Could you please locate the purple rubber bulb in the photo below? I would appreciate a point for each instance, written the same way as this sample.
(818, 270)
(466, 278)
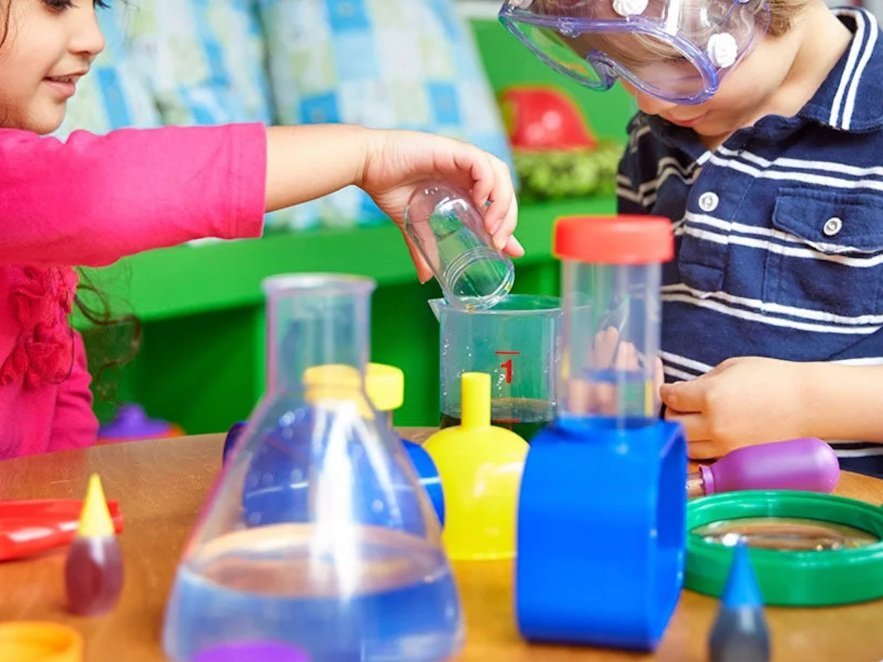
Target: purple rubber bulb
(798, 464)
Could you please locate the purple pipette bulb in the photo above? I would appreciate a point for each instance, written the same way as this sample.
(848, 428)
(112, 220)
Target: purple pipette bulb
(798, 464)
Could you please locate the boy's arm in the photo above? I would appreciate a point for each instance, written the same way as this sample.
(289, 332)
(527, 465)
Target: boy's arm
(844, 401)
(751, 400)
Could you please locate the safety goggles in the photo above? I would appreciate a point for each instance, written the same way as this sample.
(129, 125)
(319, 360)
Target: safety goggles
(676, 50)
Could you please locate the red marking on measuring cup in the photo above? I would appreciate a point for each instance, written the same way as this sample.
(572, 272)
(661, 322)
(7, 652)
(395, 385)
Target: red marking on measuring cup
(507, 365)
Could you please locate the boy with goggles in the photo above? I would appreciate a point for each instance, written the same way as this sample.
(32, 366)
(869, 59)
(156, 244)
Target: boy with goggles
(760, 135)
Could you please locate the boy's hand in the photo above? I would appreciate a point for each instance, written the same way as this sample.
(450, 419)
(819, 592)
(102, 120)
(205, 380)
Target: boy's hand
(608, 352)
(398, 160)
(742, 401)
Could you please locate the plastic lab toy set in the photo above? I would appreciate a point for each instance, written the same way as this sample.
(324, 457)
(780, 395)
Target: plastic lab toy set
(329, 537)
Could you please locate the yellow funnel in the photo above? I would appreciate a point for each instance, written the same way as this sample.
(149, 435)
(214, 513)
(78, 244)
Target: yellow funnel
(480, 467)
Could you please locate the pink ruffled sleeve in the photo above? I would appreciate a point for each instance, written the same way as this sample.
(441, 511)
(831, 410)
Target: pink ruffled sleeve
(94, 199)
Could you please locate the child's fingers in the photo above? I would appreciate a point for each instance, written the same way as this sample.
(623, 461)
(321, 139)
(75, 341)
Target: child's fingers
(702, 450)
(695, 425)
(507, 226)
(499, 219)
(424, 273)
(502, 225)
(483, 175)
(685, 396)
(513, 247)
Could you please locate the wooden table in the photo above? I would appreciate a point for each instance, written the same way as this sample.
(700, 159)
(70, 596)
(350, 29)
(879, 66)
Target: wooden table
(162, 484)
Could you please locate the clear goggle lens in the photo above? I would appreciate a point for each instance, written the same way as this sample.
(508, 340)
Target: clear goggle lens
(597, 60)
(667, 48)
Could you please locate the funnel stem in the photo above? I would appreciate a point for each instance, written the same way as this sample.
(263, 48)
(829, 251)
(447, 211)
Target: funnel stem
(476, 399)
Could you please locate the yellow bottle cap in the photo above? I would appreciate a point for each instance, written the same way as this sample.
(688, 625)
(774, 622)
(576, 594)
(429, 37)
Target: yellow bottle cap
(95, 520)
(385, 385)
(480, 467)
(38, 641)
(335, 382)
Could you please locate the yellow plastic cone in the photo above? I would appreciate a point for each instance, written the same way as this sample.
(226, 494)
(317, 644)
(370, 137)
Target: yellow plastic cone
(480, 467)
(95, 520)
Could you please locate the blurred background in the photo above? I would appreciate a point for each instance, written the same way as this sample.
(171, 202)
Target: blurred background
(445, 66)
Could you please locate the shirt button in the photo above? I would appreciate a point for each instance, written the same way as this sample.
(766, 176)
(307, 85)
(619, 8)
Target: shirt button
(708, 201)
(832, 226)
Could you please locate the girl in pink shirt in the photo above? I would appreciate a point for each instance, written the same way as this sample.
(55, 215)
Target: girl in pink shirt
(94, 199)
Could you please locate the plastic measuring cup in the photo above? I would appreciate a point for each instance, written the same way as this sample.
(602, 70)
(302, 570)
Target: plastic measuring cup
(517, 343)
(449, 232)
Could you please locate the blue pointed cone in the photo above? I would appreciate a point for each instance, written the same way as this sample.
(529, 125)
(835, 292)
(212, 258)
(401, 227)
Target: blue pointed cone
(740, 631)
(742, 590)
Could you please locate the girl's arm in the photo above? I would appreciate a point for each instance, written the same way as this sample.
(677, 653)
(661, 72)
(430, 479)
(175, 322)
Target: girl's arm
(388, 165)
(93, 199)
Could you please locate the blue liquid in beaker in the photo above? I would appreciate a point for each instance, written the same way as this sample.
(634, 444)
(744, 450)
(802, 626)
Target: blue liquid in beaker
(265, 584)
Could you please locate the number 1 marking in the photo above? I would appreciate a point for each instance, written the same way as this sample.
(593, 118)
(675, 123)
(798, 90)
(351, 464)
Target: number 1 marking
(507, 365)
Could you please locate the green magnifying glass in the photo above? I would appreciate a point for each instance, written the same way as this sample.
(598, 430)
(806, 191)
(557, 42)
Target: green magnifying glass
(807, 549)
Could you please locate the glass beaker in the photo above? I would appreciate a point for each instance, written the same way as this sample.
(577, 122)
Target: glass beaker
(610, 371)
(449, 232)
(517, 343)
(343, 557)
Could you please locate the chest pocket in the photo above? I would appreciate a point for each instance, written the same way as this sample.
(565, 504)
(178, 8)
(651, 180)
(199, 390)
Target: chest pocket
(826, 254)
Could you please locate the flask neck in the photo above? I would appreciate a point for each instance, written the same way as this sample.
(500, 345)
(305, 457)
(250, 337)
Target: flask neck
(315, 320)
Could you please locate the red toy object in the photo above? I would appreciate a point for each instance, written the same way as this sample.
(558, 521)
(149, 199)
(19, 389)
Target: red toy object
(544, 118)
(31, 527)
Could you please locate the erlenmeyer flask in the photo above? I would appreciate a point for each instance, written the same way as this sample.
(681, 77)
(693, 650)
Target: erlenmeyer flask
(343, 558)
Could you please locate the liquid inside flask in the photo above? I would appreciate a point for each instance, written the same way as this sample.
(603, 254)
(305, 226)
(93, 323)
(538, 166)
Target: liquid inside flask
(317, 534)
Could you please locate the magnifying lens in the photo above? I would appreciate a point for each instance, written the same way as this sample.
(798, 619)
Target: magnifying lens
(807, 549)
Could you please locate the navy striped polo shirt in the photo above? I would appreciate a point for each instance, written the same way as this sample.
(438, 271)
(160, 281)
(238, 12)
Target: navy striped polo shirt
(779, 231)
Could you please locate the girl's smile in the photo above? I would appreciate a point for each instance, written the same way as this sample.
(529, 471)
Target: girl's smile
(65, 86)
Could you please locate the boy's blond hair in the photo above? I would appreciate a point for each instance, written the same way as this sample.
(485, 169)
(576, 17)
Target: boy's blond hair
(782, 14)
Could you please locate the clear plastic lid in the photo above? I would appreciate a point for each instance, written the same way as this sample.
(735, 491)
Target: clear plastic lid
(449, 232)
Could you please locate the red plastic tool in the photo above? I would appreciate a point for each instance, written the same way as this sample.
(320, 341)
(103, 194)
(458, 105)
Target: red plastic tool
(31, 527)
(541, 118)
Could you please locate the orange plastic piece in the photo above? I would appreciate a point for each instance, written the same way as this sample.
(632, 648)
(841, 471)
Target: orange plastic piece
(38, 641)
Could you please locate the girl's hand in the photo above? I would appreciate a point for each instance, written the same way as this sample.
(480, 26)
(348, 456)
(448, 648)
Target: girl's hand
(398, 160)
(742, 401)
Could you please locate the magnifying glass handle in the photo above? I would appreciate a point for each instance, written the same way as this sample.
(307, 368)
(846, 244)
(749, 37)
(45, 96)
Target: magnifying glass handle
(798, 464)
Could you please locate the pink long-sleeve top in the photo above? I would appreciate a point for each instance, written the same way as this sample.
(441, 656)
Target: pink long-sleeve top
(90, 201)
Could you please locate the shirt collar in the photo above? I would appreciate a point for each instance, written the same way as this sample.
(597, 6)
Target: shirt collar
(851, 97)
